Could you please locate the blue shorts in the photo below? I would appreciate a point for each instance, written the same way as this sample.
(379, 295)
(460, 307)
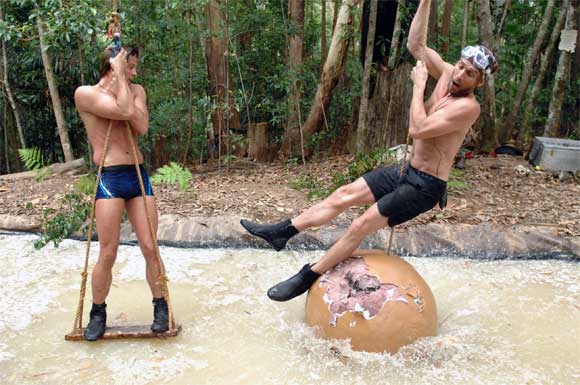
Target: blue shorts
(403, 198)
(121, 181)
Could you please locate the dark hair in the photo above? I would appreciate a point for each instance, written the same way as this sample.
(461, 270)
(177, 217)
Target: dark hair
(105, 66)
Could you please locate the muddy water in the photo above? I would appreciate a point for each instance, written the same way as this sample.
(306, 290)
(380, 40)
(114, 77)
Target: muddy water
(508, 322)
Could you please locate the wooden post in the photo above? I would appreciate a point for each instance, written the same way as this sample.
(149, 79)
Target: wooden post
(259, 147)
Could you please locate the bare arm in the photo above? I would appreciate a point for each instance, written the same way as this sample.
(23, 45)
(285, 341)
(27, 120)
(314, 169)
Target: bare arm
(87, 99)
(139, 121)
(458, 115)
(417, 43)
(117, 107)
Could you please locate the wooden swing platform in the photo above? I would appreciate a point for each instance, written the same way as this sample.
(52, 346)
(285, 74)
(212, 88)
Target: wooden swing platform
(124, 332)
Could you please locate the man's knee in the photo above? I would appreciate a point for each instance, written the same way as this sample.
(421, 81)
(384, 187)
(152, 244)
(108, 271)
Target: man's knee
(343, 196)
(148, 249)
(107, 257)
(359, 228)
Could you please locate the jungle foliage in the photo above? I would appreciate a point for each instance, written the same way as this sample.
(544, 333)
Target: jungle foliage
(166, 31)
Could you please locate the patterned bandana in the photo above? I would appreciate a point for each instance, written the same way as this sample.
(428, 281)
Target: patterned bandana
(480, 57)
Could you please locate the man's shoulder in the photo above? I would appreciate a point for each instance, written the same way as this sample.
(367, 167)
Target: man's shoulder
(84, 92)
(137, 88)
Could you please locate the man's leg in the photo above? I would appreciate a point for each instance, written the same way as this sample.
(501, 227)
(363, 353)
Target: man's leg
(138, 218)
(109, 213)
(366, 224)
(354, 194)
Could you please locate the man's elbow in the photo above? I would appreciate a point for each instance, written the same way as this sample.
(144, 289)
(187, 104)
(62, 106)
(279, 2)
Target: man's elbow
(414, 47)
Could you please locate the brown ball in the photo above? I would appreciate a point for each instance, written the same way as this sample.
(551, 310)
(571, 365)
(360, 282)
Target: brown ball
(376, 300)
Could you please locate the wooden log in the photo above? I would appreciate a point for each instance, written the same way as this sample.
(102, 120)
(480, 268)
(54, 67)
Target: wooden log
(18, 223)
(124, 332)
(75, 167)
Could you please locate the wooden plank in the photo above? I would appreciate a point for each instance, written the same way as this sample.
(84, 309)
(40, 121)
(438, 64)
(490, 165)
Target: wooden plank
(121, 332)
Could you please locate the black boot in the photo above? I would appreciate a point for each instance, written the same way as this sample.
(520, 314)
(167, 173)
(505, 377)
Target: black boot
(294, 286)
(160, 316)
(276, 235)
(97, 324)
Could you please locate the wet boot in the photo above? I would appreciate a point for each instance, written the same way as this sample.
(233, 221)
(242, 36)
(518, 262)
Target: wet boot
(276, 235)
(97, 323)
(294, 286)
(160, 316)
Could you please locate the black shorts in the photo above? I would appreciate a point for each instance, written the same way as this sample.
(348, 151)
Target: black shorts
(401, 199)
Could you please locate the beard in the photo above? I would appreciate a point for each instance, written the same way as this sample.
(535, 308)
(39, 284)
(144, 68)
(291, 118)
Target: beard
(457, 90)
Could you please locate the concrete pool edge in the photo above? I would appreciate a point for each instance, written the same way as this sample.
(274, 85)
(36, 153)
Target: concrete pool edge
(484, 241)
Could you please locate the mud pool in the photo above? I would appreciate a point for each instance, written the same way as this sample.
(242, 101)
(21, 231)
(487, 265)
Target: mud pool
(508, 322)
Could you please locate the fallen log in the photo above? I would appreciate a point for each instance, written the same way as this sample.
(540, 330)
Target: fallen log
(74, 167)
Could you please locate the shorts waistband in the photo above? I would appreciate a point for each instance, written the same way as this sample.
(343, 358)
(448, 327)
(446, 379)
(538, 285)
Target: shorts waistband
(429, 177)
(121, 167)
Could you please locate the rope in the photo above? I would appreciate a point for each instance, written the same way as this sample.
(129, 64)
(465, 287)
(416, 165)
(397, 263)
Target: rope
(162, 277)
(77, 326)
(403, 164)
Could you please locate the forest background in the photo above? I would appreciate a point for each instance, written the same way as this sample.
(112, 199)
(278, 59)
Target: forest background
(279, 79)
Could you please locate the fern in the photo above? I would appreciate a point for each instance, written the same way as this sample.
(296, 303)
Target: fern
(173, 173)
(32, 158)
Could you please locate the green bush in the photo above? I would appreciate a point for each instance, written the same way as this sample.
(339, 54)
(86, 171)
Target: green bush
(173, 173)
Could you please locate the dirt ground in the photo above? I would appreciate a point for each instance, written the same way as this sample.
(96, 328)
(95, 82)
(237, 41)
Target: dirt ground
(501, 190)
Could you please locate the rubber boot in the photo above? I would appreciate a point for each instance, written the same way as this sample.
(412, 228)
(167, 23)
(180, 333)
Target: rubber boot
(294, 286)
(160, 316)
(276, 234)
(97, 323)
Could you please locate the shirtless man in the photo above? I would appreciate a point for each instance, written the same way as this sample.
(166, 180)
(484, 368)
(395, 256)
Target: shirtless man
(437, 127)
(115, 98)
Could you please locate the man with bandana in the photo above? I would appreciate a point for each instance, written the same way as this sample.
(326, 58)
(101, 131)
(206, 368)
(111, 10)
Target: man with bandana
(438, 128)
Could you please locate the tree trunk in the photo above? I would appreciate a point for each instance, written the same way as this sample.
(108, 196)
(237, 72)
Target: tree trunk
(465, 22)
(486, 125)
(190, 95)
(389, 107)
(218, 73)
(562, 76)
(433, 26)
(396, 40)
(336, 8)
(446, 27)
(512, 117)
(506, 8)
(323, 34)
(293, 144)
(5, 124)
(546, 58)
(333, 68)
(54, 94)
(9, 90)
(362, 142)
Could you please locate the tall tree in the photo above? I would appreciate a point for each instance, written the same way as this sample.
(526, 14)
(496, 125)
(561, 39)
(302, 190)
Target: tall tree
(362, 127)
(446, 26)
(465, 22)
(54, 94)
(9, 90)
(530, 64)
(224, 116)
(562, 74)
(544, 63)
(488, 130)
(293, 138)
(323, 33)
(333, 68)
